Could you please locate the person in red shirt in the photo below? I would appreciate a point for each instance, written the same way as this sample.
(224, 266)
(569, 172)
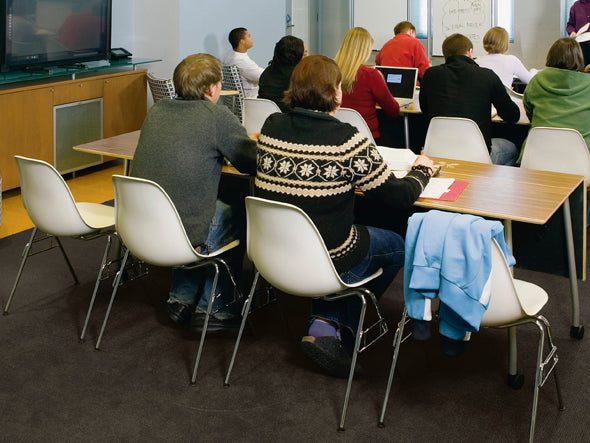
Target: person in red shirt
(404, 50)
(363, 87)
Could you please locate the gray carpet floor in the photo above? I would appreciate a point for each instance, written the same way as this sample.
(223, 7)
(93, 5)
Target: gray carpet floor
(136, 388)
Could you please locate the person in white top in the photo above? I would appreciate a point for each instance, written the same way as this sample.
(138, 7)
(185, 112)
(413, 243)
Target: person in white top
(241, 40)
(506, 66)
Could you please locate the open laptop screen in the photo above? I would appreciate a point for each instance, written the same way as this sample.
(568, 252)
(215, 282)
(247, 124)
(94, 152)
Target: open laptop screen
(400, 81)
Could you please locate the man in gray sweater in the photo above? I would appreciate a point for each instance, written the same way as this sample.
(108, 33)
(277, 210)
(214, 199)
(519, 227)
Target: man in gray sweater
(182, 147)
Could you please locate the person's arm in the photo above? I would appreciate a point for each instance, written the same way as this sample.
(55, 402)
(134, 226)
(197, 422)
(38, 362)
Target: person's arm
(507, 109)
(571, 23)
(382, 95)
(528, 106)
(234, 143)
(372, 176)
(520, 71)
(250, 70)
(378, 57)
(423, 96)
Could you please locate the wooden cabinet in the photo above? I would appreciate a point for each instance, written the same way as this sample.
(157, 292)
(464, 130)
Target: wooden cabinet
(26, 126)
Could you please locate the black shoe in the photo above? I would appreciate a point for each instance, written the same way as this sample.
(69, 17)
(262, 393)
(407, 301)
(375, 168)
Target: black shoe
(329, 354)
(215, 324)
(179, 313)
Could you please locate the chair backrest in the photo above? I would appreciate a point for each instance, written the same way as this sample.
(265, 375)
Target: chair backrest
(557, 150)
(48, 200)
(287, 249)
(510, 302)
(160, 87)
(256, 110)
(513, 94)
(147, 222)
(231, 81)
(456, 138)
(348, 115)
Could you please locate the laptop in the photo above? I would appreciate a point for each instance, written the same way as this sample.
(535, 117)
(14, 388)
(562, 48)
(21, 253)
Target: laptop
(401, 82)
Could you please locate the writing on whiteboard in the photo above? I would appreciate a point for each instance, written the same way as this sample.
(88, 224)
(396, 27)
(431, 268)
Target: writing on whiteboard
(465, 17)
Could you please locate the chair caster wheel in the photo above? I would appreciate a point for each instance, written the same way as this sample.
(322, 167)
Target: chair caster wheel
(340, 429)
(380, 424)
(515, 381)
(577, 332)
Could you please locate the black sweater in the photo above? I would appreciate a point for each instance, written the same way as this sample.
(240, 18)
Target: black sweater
(314, 161)
(461, 88)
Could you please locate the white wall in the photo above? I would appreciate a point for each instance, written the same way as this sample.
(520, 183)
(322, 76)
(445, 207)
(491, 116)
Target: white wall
(172, 29)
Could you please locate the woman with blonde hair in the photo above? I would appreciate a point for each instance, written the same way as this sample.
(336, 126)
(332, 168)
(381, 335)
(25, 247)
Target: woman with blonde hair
(363, 87)
(506, 66)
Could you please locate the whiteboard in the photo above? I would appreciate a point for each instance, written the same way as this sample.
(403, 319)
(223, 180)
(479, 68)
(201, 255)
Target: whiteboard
(472, 18)
(379, 18)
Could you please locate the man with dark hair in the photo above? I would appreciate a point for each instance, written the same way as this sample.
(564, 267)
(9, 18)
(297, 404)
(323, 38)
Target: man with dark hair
(404, 50)
(240, 41)
(182, 146)
(461, 88)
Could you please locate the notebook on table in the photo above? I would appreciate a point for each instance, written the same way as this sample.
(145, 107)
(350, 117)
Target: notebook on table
(401, 82)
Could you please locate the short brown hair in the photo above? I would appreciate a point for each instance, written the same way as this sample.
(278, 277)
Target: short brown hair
(193, 76)
(314, 83)
(456, 44)
(566, 53)
(403, 27)
(495, 41)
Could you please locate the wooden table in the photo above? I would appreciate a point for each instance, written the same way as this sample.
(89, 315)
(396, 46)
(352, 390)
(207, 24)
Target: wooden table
(503, 192)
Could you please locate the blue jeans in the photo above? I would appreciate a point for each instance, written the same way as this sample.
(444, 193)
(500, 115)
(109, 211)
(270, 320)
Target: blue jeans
(193, 286)
(386, 251)
(503, 152)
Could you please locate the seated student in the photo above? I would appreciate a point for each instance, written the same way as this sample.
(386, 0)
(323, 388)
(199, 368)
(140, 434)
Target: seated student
(274, 81)
(333, 159)
(461, 88)
(363, 87)
(506, 66)
(182, 146)
(241, 40)
(404, 50)
(559, 95)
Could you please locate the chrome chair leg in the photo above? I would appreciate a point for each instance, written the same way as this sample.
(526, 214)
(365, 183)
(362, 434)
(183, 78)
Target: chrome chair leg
(25, 254)
(538, 379)
(63, 252)
(397, 341)
(103, 265)
(554, 368)
(245, 313)
(357, 345)
(116, 286)
(204, 332)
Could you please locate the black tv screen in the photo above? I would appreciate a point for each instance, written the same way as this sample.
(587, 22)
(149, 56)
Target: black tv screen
(54, 32)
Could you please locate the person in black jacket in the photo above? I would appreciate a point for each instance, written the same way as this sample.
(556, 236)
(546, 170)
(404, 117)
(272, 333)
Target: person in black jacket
(461, 88)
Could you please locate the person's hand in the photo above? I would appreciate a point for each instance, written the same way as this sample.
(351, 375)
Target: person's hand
(254, 136)
(425, 161)
(573, 34)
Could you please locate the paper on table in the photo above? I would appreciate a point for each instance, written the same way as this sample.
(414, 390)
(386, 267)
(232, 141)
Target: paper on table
(436, 187)
(396, 158)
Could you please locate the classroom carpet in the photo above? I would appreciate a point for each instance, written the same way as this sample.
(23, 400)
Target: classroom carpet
(137, 387)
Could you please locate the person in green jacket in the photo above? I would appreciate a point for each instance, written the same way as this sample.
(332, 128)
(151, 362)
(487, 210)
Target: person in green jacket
(559, 95)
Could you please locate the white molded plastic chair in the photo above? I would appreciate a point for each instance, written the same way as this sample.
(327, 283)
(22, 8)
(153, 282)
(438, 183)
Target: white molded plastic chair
(353, 117)
(161, 87)
(256, 110)
(557, 150)
(51, 207)
(513, 94)
(151, 229)
(513, 303)
(289, 253)
(231, 81)
(456, 138)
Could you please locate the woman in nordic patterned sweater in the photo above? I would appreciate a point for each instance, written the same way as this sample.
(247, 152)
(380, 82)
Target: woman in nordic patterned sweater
(308, 158)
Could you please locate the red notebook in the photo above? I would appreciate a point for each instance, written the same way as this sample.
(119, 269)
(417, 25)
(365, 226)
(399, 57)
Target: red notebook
(453, 193)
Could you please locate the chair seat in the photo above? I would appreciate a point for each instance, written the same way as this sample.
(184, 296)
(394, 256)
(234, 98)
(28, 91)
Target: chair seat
(96, 215)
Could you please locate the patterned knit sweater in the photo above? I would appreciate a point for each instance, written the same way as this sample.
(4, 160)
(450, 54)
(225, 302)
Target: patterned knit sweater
(314, 161)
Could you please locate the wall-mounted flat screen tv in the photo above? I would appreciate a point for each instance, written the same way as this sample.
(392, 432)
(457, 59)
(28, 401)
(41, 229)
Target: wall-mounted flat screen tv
(38, 33)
